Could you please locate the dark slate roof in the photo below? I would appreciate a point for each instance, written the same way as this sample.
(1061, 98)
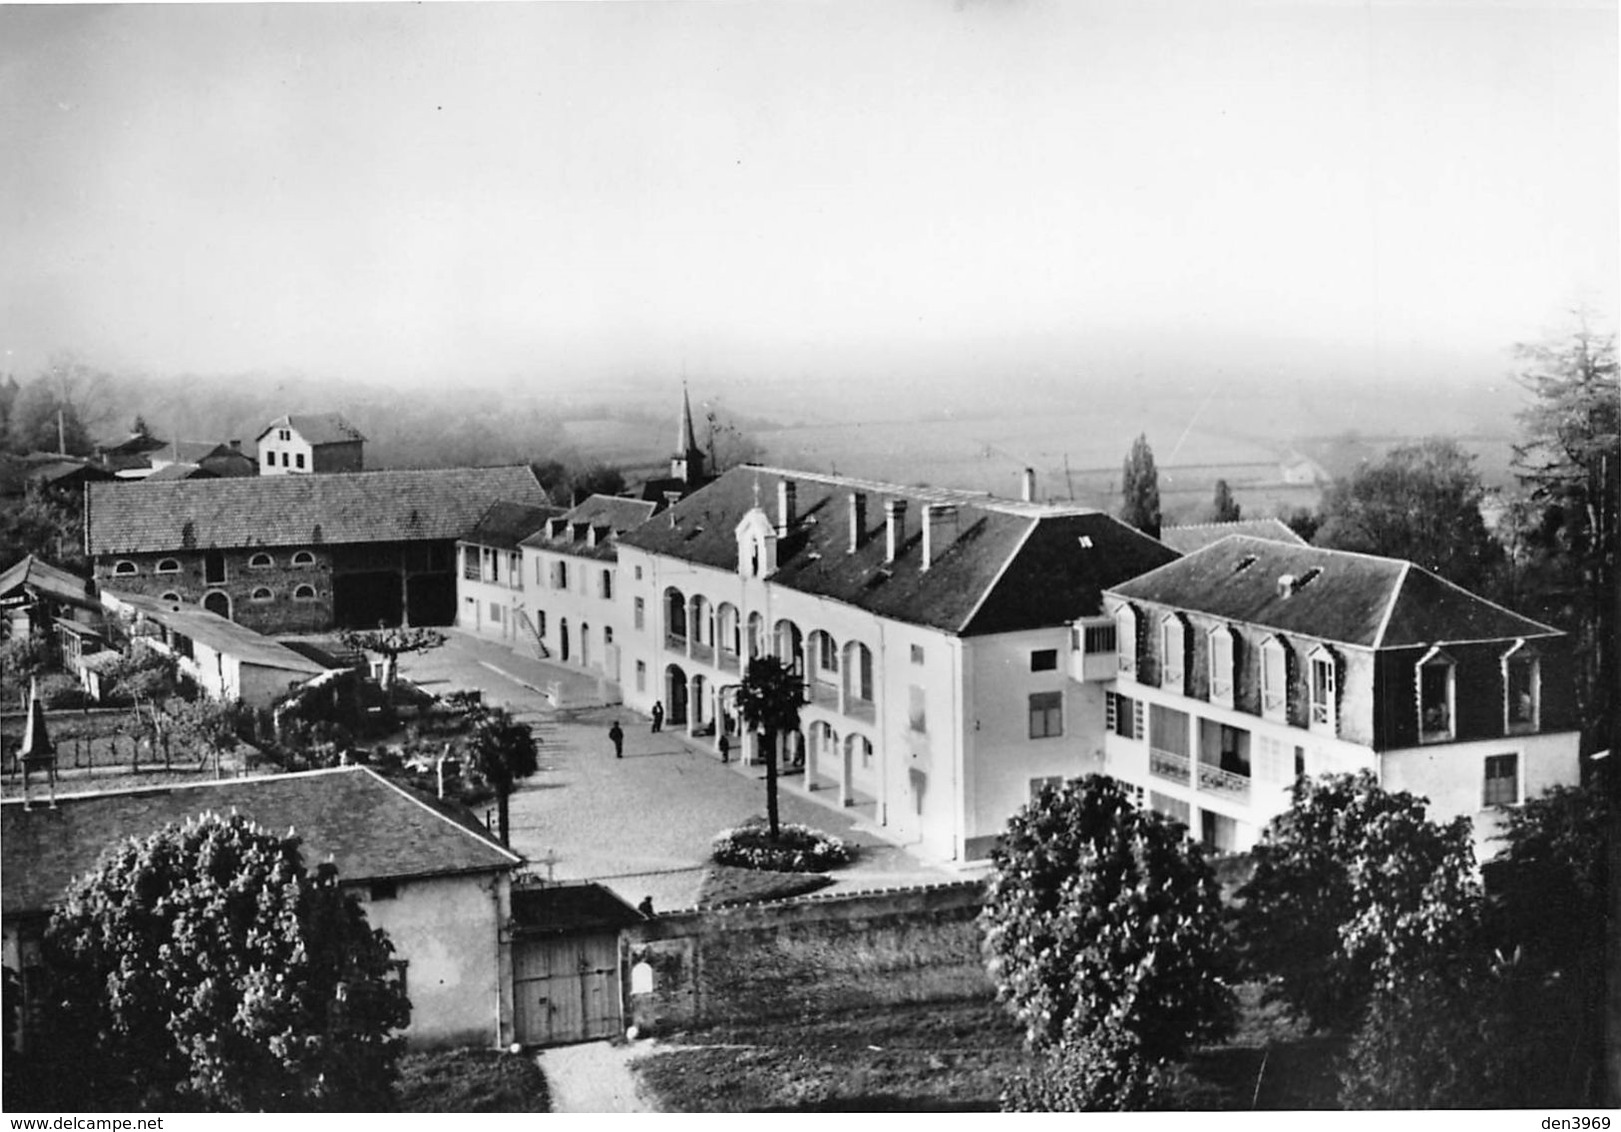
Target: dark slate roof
(37, 577)
(1011, 566)
(1357, 599)
(609, 515)
(505, 524)
(436, 503)
(316, 428)
(1191, 536)
(556, 909)
(370, 828)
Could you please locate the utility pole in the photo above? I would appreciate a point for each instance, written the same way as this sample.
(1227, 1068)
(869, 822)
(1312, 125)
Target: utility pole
(61, 435)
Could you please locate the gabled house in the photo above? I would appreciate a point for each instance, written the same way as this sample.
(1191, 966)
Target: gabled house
(426, 872)
(490, 591)
(570, 572)
(305, 443)
(929, 626)
(1250, 662)
(299, 553)
(35, 596)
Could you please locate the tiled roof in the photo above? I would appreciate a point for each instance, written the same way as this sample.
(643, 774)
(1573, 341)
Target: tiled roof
(505, 524)
(316, 428)
(1355, 599)
(52, 581)
(1010, 566)
(610, 515)
(437, 503)
(554, 909)
(1189, 537)
(220, 634)
(370, 828)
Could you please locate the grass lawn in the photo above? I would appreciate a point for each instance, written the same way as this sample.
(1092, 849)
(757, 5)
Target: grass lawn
(471, 1080)
(957, 1057)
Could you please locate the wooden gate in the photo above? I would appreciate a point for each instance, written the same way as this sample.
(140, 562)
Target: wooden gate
(566, 988)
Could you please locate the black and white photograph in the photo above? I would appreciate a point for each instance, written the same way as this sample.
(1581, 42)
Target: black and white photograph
(764, 556)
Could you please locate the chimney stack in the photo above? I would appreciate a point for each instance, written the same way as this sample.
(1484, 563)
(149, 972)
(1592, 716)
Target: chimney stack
(939, 530)
(858, 519)
(1028, 489)
(236, 446)
(894, 526)
(785, 507)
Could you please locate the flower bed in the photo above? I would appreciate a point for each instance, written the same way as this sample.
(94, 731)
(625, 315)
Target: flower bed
(796, 848)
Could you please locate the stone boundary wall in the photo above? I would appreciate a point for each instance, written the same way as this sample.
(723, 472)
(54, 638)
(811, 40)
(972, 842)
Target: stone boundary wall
(800, 958)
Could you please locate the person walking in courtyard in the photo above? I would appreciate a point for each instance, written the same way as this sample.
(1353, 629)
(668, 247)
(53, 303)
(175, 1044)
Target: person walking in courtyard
(658, 716)
(725, 749)
(616, 735)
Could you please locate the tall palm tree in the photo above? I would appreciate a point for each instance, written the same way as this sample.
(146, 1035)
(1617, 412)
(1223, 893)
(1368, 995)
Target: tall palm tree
(770, 698)
(501, 750)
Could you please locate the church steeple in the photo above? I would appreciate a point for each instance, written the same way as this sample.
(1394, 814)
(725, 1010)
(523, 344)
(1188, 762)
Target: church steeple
(687, 464)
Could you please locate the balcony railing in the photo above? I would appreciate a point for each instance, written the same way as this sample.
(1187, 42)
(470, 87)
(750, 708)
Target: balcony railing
(824, 695)
(864, 710)
(1218, 781)
(701, 652)
(728, 660)
(1165, 764)
(675, 642)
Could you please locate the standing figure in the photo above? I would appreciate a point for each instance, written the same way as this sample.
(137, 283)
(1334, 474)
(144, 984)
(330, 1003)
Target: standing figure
(616, 735)
(658, 716)
(725, 749)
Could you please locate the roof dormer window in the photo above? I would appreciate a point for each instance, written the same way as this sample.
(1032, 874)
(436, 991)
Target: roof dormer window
(1522, 691)
(1324, 689)
(1173, 658)
(1275, 679)
(1436, 697)
(1125, 620)
(1222, 651)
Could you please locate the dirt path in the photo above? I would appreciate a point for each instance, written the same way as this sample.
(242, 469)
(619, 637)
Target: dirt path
(594, 1077)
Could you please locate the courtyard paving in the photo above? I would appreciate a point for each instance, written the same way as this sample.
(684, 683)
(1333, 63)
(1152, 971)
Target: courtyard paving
(641, 824)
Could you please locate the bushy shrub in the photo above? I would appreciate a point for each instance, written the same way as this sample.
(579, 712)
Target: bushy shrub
(1104, 1072)
(795, 849)
(60, 691)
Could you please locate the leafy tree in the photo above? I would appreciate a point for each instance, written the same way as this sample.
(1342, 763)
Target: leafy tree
(1140, 486)
(57, 410)
(49, 525)
(138, 427)
(207, 969)
(1103, 932)
(595, 479)
(500, 750)
(1421, 503)
(205, 726)
(729, 445)
(391, 644)
(1570, 467)
(1353, 887)
(1303, 521)
(1224, 508)
(769, 699)
(1548, 901)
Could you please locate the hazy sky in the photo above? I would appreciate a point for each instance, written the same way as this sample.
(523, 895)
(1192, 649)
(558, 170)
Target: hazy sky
(482, 190)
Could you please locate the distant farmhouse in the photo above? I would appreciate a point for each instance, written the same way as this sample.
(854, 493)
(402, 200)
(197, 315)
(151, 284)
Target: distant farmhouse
(1252, 661)
(299, 553)
(309, 443)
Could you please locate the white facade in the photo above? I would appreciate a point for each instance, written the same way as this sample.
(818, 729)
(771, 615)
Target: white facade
(936, 735)
(490, 594)
(575, 608)
(283, 452)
